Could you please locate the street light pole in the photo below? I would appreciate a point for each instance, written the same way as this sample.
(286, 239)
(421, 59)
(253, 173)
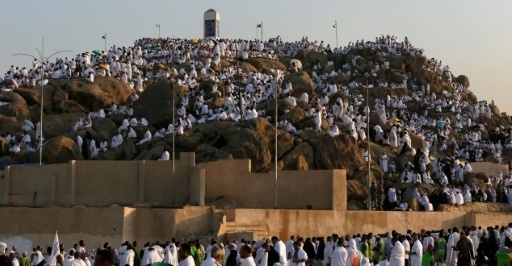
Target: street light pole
(238, 81)
(42, 60)
(368, 140)
(261, 31)
(173, 146)
(158, 26)
(336, 27)
(275, 144)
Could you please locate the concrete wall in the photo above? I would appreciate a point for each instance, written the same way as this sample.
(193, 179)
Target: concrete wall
(296, 189)
(27, 227)
(98, 183)
(125, 183)
(284, 223)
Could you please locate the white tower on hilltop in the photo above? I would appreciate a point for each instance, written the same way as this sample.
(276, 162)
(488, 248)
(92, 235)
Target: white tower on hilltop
(211, 24)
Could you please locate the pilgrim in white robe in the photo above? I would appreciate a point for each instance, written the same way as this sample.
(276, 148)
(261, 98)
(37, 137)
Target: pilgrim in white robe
(397, 257)
(417, 248)
(339, 257)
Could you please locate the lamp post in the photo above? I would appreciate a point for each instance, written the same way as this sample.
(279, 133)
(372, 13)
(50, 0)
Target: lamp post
(336, 27)
(238, 81)
(42, 59)
(260, 26)
(158, 26)
(368, 140)
(173, 146)
(278, 83)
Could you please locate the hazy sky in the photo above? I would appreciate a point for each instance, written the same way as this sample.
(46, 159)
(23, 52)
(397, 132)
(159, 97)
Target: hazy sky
(472, 37)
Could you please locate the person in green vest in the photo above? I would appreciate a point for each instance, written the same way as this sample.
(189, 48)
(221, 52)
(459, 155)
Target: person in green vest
(365, 249)
(193, 248)
(371, 246)
(441, 247)
(136, 258)
(25, 261)
(378, 251)
(199, 254)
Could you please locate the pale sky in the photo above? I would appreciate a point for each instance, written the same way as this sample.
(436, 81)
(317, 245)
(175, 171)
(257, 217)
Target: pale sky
(470, 36)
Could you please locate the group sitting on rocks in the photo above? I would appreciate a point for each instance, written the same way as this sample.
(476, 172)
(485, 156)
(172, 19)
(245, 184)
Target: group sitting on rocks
(426, 103)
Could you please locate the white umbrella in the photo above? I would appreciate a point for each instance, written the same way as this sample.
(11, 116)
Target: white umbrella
(29, 123)
(296, 62)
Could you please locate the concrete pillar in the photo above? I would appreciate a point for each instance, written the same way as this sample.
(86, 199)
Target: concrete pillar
(339, 190)
(72, 182)
(202, 189)
(142, 181)
(192, 159)
(7, 185)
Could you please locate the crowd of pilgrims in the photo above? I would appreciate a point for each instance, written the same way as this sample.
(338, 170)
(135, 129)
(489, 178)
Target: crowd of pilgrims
(192, 62)
(468, 246)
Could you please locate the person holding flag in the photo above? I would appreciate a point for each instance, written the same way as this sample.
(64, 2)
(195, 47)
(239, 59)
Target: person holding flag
(52, 259)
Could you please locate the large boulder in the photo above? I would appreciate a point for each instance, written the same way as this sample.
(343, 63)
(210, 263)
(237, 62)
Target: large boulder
(463, 80)
(246, 67)
(357, 191)
(295, 115)
(105, 128)
(56, 125)
(61, 150)
(17, 106)
(214, 128)
(187, 143)
(244, 143)
(259, 125)
(301, 82)
(340, 152)
(300, 158)
(10, 124)
(282, 105)
(155, 152)
(31, 96)
(98, 94)
(265, 65)
(495, 110)
(309, 58)
(155, 104)
(403, 160)
(285, 142)
(125, 151)
(68, 107)
(354, 205)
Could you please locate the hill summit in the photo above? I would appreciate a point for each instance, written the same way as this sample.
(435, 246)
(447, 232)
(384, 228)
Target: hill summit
(119, 105)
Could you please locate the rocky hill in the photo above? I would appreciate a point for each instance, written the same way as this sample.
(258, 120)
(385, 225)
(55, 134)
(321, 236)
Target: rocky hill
(66, 100)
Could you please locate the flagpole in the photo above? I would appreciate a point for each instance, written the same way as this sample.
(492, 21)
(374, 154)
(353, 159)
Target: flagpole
(261, 31)
(105, 37)
(336, 27)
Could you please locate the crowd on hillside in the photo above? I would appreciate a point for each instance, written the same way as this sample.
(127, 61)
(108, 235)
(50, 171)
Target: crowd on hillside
(190, 63)
(468, 246)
